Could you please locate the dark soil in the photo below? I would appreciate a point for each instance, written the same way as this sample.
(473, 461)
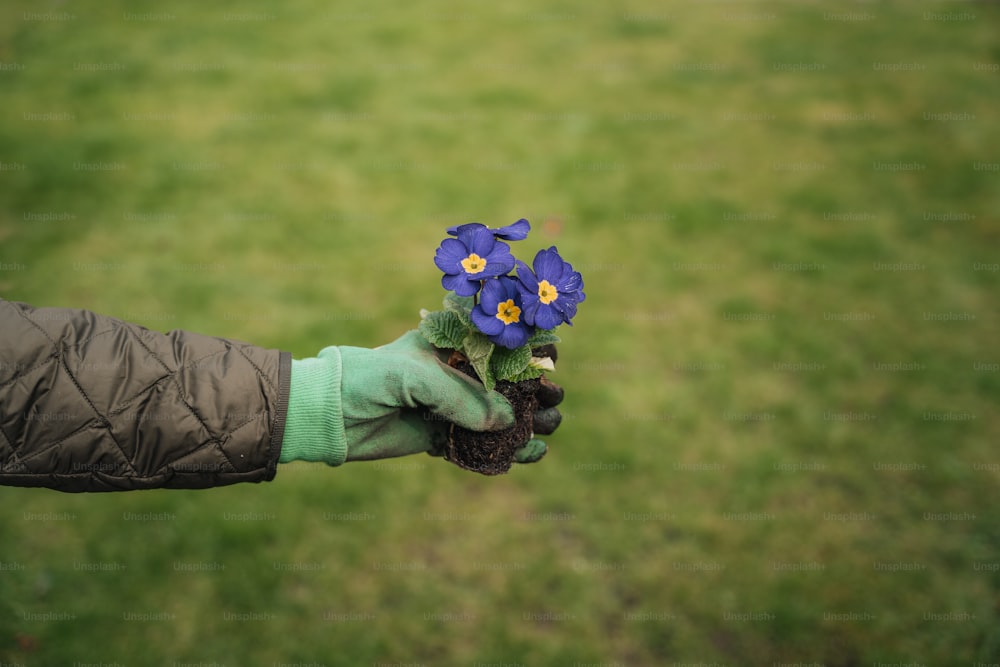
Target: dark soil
(492, 452)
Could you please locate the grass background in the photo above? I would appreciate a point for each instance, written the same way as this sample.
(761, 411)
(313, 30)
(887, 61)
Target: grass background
(780, 431)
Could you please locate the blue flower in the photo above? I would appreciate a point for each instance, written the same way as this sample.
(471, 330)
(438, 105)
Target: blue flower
(515, 232)
(499, 313)
(551, 292)
(471, 258)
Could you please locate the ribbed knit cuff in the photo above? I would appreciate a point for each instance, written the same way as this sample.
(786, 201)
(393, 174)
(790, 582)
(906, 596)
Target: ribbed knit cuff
(314, 428)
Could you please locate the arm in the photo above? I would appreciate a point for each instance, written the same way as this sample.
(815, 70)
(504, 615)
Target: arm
(93, 403)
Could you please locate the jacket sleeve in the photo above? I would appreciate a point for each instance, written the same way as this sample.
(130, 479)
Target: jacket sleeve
(93, 403)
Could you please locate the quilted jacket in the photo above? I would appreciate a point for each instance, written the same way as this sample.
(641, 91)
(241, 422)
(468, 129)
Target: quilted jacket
(92, 403)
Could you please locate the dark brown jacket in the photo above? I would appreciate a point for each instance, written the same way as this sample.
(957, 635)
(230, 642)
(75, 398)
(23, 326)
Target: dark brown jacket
(92, 403)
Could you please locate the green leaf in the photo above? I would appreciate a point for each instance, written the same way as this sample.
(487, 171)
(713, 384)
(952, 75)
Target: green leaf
(443, 328)
(461, 306)
(479, 349)
(506, 363)
(527, 374)
(542, 337)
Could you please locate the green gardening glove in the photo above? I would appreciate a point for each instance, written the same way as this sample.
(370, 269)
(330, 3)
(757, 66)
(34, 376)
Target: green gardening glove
(356, 404)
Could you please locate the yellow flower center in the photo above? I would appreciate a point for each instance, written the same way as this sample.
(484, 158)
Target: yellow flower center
(546, 292)
(473, 263)
(508, 313)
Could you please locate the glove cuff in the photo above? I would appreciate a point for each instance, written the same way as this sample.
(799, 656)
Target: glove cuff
(314, 429)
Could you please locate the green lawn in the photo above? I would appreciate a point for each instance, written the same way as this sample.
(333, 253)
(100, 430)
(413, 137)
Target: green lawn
(780, 431)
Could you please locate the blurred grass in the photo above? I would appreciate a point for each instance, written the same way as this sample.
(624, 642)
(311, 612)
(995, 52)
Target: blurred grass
(743, 474)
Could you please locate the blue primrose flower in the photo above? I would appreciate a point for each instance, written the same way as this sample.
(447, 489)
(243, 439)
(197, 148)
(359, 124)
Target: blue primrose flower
(471, 258)
(515, 232)
(551, 292)
(499, 313)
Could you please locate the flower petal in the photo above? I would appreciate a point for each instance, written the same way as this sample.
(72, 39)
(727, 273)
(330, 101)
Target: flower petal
(477, 238)
(547, 317)
(449, 255)
(548, 265)
(544, 363)
(493, 293)
(452, 281)
(513, 288)
(566, 308)
(455, 230)
(500, 261)
(528, 311)
(488, 324)
(571, 281)
(512, 336)
(527, 278)
(515, 232)
(460, 285)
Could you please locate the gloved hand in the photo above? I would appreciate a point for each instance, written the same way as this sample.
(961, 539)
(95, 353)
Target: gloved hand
(354, 404)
